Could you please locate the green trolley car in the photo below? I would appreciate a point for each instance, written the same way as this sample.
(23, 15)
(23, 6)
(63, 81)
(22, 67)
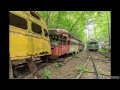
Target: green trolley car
(93, 46)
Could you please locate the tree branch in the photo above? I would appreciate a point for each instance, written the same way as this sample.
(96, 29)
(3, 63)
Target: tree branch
(77, 21)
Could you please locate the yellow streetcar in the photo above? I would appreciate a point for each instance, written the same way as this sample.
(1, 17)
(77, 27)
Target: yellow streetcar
(28, 36)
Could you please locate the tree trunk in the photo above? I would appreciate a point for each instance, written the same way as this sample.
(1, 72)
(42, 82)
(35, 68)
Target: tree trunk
(87, 37)
(108, 31)
(48, 15)
(96, 35)
(58, 19)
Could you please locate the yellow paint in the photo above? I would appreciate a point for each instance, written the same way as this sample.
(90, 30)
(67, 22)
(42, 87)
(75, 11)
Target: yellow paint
(23, 43)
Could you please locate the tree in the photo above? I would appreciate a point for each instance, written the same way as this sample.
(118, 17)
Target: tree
(47, 19)
(76, 21)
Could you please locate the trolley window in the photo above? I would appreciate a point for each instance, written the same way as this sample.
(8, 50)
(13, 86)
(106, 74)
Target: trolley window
(60, 39)
(54, 39)
(92, 42)
(17, 21)
(36, 28)
(46, 33)
(64, 40)
(34, 15)
(68, 43)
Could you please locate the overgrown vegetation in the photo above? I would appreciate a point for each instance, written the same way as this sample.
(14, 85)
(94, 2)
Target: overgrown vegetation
(77, 55)
(79, 68)
(57, 65)
(81, 23)
(47, 74)
(104, 51)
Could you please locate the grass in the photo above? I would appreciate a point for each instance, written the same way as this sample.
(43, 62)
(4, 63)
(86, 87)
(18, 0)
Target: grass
(105, 73)
(77, 56)
(47, 74)
(57, 65)
(103, 51)
(79, 68)
(83, 70)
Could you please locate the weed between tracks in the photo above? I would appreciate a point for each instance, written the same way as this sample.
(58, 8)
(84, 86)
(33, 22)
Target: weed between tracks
(47, 74)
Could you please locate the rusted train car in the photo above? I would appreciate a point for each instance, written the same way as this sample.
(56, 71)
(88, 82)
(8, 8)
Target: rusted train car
(80, 46)
(62, 42)
(59, 42)
(28, 37)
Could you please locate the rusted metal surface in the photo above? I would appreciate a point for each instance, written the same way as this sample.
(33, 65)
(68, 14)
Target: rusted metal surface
(10, 70)
(31, 65)
(59, 39)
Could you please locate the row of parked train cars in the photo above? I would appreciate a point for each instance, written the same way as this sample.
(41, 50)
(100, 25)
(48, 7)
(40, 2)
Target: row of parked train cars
(95, 45)
(29, 38)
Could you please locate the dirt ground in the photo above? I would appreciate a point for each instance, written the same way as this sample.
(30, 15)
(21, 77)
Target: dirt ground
(69, 68)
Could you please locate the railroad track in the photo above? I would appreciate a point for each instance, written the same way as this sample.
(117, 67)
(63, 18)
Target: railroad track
(62, 62)
(42, 65)
(106, 55)
(93, 60)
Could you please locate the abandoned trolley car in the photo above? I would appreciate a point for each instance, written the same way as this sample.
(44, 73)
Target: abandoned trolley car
(28, 36)
(93, 45)
(62, 42)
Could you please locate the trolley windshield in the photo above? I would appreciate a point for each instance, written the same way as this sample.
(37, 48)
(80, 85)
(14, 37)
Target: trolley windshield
(54, 39)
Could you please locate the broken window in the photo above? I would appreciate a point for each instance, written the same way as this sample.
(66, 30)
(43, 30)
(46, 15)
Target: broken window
(60, 39)
(36, 28)
(17, 21)
(34, 15)
(54, 39)
(64, 40)
(68, 43)
(93, 43)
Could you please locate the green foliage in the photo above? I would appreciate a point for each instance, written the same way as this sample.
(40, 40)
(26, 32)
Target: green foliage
(77, 55)
(57, 65)
(79, 68)
(87, 71)
(47, 74)
(103, 51)
(66, 19)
